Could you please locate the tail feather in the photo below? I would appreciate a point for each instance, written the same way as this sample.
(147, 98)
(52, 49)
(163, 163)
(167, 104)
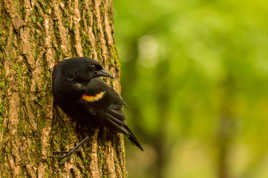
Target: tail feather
(118, 114)
(133, 139)
(122, 127)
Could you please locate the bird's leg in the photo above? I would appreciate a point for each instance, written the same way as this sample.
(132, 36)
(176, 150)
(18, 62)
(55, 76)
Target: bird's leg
(74, 149)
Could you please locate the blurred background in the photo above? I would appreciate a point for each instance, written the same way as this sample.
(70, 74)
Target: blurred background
(194, 74)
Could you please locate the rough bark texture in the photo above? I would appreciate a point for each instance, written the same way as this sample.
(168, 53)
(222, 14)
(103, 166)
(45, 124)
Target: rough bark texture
(33, 36)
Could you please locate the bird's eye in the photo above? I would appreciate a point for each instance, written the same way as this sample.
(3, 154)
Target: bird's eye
(97, 66)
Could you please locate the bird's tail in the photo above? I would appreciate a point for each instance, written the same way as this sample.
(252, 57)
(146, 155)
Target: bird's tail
(133, 138)
(120, 126)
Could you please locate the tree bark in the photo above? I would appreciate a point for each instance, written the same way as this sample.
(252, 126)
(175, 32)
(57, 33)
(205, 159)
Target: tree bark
(34, 35)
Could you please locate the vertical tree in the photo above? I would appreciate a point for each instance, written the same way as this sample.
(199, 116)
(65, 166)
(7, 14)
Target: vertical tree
(225, 130)
(34, 35)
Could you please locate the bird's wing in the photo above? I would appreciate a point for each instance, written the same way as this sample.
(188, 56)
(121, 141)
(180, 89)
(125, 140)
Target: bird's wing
(103, 98)
(121, 126)
(102, 101)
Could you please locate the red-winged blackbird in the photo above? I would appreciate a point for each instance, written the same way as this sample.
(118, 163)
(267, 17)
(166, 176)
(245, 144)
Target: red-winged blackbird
(86, 98)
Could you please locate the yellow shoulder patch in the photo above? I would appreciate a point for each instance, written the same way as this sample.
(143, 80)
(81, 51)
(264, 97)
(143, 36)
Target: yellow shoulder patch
(93, 98)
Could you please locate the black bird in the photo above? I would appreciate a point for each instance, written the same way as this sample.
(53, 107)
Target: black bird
(88, 99)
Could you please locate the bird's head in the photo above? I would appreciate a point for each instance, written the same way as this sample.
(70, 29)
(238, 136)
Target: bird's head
(82, 69)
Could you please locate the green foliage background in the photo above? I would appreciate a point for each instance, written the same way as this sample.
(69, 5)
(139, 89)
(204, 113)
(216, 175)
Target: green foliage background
(194, 74)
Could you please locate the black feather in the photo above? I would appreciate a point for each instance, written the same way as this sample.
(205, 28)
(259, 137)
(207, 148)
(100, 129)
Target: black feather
(120, 126)
(111, 106)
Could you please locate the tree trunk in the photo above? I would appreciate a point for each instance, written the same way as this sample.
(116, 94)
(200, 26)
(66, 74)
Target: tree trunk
(34, 35)
(226, 127)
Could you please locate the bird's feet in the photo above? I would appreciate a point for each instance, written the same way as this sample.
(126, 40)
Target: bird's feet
(67, 154)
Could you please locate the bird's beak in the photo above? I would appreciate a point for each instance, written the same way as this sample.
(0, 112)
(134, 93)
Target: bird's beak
(103, 73)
